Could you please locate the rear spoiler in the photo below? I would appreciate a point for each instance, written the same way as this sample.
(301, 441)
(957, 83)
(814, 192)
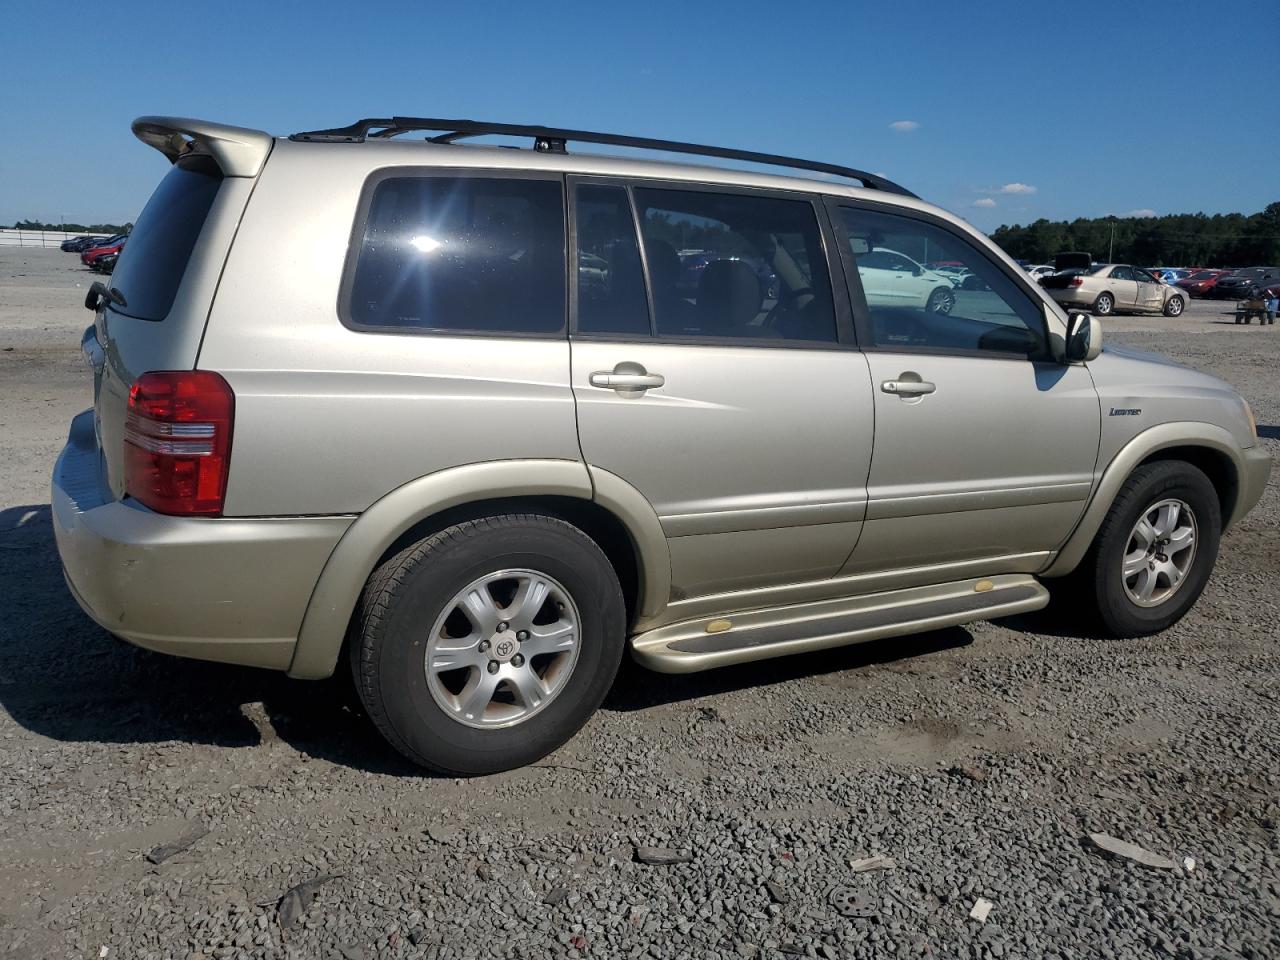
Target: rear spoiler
(238, 151)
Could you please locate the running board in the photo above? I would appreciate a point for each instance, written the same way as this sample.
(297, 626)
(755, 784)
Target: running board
(777, 631)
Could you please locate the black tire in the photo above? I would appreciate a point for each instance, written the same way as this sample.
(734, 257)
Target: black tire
(1100, 572)
(408, 592)
(1174, 306)
(1104, 306)
(941, 300)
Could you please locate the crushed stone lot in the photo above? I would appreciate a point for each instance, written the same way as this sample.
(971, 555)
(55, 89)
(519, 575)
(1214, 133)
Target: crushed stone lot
(1005, 789)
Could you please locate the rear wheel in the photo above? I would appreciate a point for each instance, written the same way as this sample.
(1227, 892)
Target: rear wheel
(1104, 305)
(1155, 550)
(1174, 306)
(489, 644)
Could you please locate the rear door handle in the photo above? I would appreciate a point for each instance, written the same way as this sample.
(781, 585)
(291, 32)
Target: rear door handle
(908, 388)
(626, 381)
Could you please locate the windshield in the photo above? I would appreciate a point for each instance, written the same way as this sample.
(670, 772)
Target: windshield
(155, 258)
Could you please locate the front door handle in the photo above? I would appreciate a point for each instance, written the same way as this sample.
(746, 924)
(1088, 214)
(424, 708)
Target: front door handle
(906, 387)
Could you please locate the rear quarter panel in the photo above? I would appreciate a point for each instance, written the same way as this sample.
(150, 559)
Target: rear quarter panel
(328, 419)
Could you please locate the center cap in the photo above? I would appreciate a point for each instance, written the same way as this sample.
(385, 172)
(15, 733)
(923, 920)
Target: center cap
(504, 646)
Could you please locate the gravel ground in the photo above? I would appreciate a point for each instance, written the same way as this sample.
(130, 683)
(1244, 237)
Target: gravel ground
(978, 759)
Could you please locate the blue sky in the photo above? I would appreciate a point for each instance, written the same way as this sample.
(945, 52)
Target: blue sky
(1003, 112)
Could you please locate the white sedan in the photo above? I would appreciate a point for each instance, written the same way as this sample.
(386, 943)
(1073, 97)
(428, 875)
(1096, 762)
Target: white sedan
(892, 279)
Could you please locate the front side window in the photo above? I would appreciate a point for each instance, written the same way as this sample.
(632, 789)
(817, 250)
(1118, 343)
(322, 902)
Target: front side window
(927, 288)
(735, 266)
(465, 254)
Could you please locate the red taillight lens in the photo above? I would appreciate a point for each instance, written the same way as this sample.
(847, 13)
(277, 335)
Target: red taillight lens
(177, 441)
(1077, 281)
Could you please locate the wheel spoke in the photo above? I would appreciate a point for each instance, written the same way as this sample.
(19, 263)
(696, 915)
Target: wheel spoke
(1180, 540)
(1146, 584)
(530, 597)
(454, 658)
(477, 694)
(1167, 519)
(528, 686)
(552, 638)
(1171, 573)
(1144, 534)
(481, 610)
(1134, 563)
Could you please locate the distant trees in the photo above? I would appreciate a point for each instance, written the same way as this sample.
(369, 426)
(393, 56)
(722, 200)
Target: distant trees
(74, 227)
(1180, 239)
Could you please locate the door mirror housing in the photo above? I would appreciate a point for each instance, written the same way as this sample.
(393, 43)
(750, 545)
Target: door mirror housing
(1084, 337)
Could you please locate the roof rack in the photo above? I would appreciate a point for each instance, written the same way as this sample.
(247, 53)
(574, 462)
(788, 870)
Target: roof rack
(553, 140)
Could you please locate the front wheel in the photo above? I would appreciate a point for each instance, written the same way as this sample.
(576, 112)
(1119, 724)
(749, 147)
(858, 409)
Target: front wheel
(489, 644)
(941, 300)
(1104, 305)
(1173, 307)
(1155, 550)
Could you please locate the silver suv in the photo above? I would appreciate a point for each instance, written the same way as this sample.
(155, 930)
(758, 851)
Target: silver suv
(478, 420)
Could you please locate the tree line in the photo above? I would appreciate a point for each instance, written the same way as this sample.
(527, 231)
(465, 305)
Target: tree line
(1175, 240)
(35, 225)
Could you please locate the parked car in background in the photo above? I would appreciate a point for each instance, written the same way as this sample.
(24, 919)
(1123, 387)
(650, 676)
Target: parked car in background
(1246, 283)
(1106, 288)
(83, 242)
(1199, 283)
(1168, 274)
(892, 277)
(105, 263)
(1041, 270)
(112, 245)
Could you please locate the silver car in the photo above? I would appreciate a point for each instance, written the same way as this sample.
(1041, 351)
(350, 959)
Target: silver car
(351, 404)
(1106, 288)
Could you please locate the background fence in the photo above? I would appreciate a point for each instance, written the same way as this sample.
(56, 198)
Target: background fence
(34, 238)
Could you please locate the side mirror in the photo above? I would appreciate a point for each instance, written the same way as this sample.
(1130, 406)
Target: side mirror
(1084, 337)
(917, 270)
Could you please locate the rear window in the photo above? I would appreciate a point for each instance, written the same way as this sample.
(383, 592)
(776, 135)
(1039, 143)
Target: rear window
(156, 253)
(461, 254)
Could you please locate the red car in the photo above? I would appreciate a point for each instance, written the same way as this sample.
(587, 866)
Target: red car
(114, 245)
(1201, 282)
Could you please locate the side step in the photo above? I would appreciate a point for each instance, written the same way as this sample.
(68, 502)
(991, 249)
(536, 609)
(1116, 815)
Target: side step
(777, 631)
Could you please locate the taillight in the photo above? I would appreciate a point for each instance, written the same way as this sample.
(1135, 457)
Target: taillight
(1077, 281)
(177, 441)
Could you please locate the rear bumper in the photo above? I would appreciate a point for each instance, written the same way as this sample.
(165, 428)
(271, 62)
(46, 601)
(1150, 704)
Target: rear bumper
(225, 589)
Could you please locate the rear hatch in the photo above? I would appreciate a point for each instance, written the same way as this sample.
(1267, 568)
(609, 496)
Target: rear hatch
(152, 314)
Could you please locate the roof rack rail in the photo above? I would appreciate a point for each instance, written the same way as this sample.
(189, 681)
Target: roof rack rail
(553, 140)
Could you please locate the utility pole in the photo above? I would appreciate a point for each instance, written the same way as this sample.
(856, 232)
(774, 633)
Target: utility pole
(1111, 251)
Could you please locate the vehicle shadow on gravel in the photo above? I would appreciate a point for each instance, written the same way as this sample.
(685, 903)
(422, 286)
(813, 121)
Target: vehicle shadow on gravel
(64, 677)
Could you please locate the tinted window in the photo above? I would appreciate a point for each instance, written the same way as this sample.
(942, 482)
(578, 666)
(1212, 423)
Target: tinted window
(611, 295)
(1121, 273)
(155, 257)
(462, 254)
(723, 265)
(970, 305)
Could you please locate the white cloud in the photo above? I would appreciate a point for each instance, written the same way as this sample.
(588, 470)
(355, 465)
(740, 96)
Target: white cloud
(984, 202)
(1143, 212)
(1017, 188)
(904, 126)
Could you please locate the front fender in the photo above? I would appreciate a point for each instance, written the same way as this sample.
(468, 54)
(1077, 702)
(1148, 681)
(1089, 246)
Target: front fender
(1160, 437)
(338, 589)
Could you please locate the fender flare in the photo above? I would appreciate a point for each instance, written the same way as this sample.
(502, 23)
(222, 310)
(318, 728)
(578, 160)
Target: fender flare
(324, 625)
(1160, 437)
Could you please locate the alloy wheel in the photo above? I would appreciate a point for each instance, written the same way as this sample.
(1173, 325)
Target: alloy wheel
(503, 648)
(1159, 553)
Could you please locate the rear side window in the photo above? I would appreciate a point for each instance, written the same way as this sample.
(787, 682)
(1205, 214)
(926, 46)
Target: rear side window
(611, 295)
(735, 265)
(461, 254)
(156, 253)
